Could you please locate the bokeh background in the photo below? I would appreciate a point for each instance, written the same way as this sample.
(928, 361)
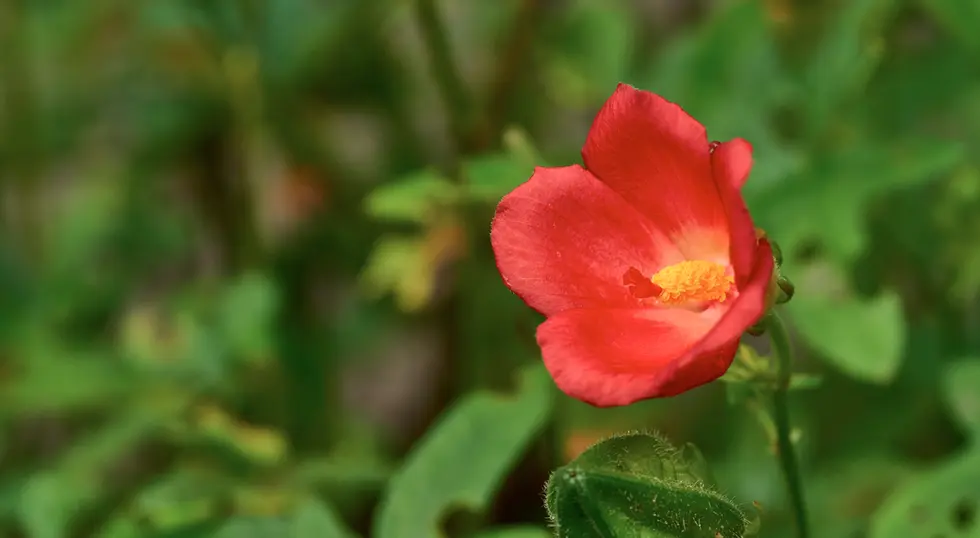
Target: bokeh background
(246, 286)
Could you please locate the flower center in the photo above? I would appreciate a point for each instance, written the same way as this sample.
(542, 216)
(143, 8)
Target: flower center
(692, 280)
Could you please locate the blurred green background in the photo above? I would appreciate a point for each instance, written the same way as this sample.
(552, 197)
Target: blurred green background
(246, 287)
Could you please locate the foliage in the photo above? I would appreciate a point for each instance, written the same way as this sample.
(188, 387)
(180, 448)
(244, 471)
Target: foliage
(246, 287)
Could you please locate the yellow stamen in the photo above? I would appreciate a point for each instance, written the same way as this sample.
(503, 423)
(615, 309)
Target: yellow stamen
(693, 280)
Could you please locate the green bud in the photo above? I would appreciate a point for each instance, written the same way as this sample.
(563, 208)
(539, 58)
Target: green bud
(777, 253)
(786, 288)
(637, 485)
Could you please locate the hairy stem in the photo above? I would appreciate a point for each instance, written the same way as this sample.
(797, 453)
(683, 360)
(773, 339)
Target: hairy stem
(784, 443)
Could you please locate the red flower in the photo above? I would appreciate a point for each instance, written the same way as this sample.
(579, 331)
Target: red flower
(645, 263)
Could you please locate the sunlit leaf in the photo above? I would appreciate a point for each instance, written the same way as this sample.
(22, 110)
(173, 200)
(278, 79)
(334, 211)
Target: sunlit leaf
(941, 502)
(962, 389)
(408, 267)
(462, 460)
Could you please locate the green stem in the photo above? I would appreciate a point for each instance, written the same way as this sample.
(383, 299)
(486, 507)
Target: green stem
(784, 443)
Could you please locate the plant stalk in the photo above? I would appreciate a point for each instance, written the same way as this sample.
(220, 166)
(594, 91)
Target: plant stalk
(786, 453)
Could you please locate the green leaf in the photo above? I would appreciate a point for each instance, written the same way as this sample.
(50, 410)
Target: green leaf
(52, 498)
(593, 54)
(463, 459)
(638, 485)
(254, 527)
(847, 491)
(490, 177)
(407, 266)
(247, 311)
(313, 519)
(827, 204)
(941, 502)
(416, 198)
(862, 338)
(960, 17)
(961, 384)
(845, 59)
(181, 498)
(515, 532)
(728, 75)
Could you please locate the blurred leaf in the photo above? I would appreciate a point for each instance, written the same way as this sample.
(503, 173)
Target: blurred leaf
(247, 312)
(595, 42)
(52, 498)
(728, 75)
(46, 507)
(346, 470)
(255, 527)
(910, 90)
(54, 377)
(961, 384)
(298, 33)
(488, 178)
(960, 17)
(844, 60)
(462, 460)
(862, 338)
(804, 381)
(515, 532)
(847, 492)
(312, 519)
(398, 265)
(416, 198)
(941, 502)
(258, 445)
(600, 494)
(828, 203)
(185, 497)
(407, 267)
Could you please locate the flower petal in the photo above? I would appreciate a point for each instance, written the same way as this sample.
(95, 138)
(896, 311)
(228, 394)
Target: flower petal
(657, 157)
(714, 353)
(563, 240)
(611, 357)
(731, 163)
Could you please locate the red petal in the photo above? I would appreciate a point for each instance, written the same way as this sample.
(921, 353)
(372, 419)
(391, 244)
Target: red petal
(731, 163)
(656, 156)
(563, 240)
(612, 357)
(713, 355)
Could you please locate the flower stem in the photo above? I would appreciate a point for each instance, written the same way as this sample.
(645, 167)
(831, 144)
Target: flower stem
(784, 443)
